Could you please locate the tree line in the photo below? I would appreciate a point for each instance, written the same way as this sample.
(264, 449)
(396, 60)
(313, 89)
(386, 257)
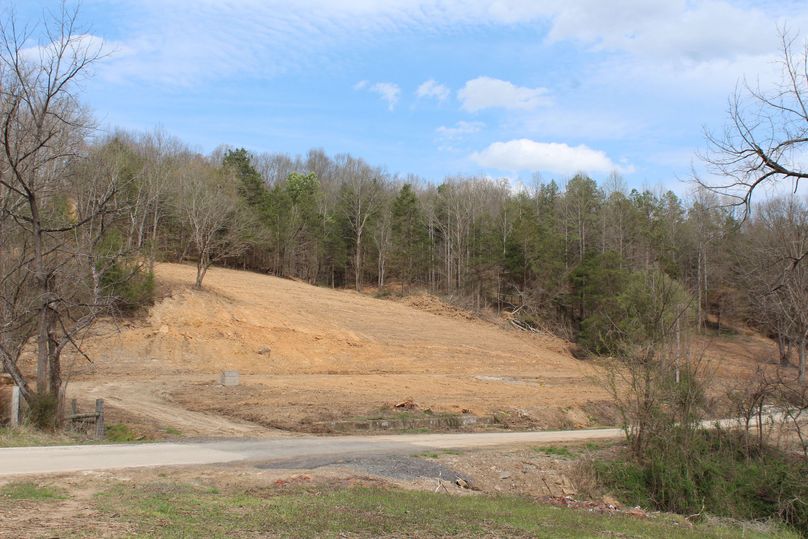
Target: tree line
(557, 255)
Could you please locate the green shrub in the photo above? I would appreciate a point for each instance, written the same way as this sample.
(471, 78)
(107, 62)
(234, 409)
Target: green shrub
(130, 286)
(714, 475)
(124, 279)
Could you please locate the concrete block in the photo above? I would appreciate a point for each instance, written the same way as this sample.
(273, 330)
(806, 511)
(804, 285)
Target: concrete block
(229, 378)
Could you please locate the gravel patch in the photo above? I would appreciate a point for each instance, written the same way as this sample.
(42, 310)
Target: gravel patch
(390, 466)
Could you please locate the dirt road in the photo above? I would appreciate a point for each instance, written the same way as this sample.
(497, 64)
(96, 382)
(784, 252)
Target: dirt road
(41, 460)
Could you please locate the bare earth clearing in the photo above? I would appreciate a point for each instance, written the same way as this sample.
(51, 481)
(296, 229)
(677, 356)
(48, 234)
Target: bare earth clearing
(309, 355)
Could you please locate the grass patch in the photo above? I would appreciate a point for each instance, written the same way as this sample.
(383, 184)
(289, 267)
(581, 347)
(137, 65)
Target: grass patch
(28, 436)
(31, 492)
(555, 451)
(437, 454)
(172, 510)
(172, 431)
(121, 433)
(419, 430)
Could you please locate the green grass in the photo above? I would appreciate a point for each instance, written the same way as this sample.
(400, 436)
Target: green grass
(121, 433)
(31, 491)
(172, 431)
(172, 510)
(437, 454)
(414, 431)
(555, 451)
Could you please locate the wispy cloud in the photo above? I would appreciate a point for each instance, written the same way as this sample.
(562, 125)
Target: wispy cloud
(389, 92)
(459, 130)
(174, 45)
(433, 89)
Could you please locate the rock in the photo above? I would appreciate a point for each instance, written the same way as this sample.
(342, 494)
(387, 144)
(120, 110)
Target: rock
(504, 475)
(462, 483)
(408, 404)
(636, 512)
(608, 500)
(264, 351)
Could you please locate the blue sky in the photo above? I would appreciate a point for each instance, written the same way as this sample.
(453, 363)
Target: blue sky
(437, 87)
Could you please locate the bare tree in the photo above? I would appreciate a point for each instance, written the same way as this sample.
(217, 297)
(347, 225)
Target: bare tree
(766, 134)
(362, 191)
(207, 203)
(779, 290)
(382, 236)
(42, 126)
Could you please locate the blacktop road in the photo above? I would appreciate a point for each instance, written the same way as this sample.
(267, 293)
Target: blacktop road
(61, 459)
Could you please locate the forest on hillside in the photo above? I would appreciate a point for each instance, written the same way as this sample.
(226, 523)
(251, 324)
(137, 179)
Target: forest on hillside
(84, 216)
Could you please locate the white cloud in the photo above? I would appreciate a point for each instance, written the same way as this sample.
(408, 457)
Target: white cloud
(529, 155)
(459, 130)
(388, 91)
(486, 92)
(433, 89)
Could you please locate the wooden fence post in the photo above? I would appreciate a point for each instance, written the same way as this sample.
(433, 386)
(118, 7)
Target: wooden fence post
(100, 430)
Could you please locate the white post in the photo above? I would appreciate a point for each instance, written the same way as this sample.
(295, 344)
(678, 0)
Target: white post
(14, 420)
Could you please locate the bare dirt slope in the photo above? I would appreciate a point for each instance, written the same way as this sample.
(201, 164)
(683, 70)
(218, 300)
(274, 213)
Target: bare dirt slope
(309, 354)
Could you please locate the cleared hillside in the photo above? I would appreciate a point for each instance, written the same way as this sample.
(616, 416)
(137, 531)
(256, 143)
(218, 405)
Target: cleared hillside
(309, 354)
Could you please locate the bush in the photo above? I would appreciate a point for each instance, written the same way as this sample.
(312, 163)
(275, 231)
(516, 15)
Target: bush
(130, 286)
(715, 475)
(43, 411)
